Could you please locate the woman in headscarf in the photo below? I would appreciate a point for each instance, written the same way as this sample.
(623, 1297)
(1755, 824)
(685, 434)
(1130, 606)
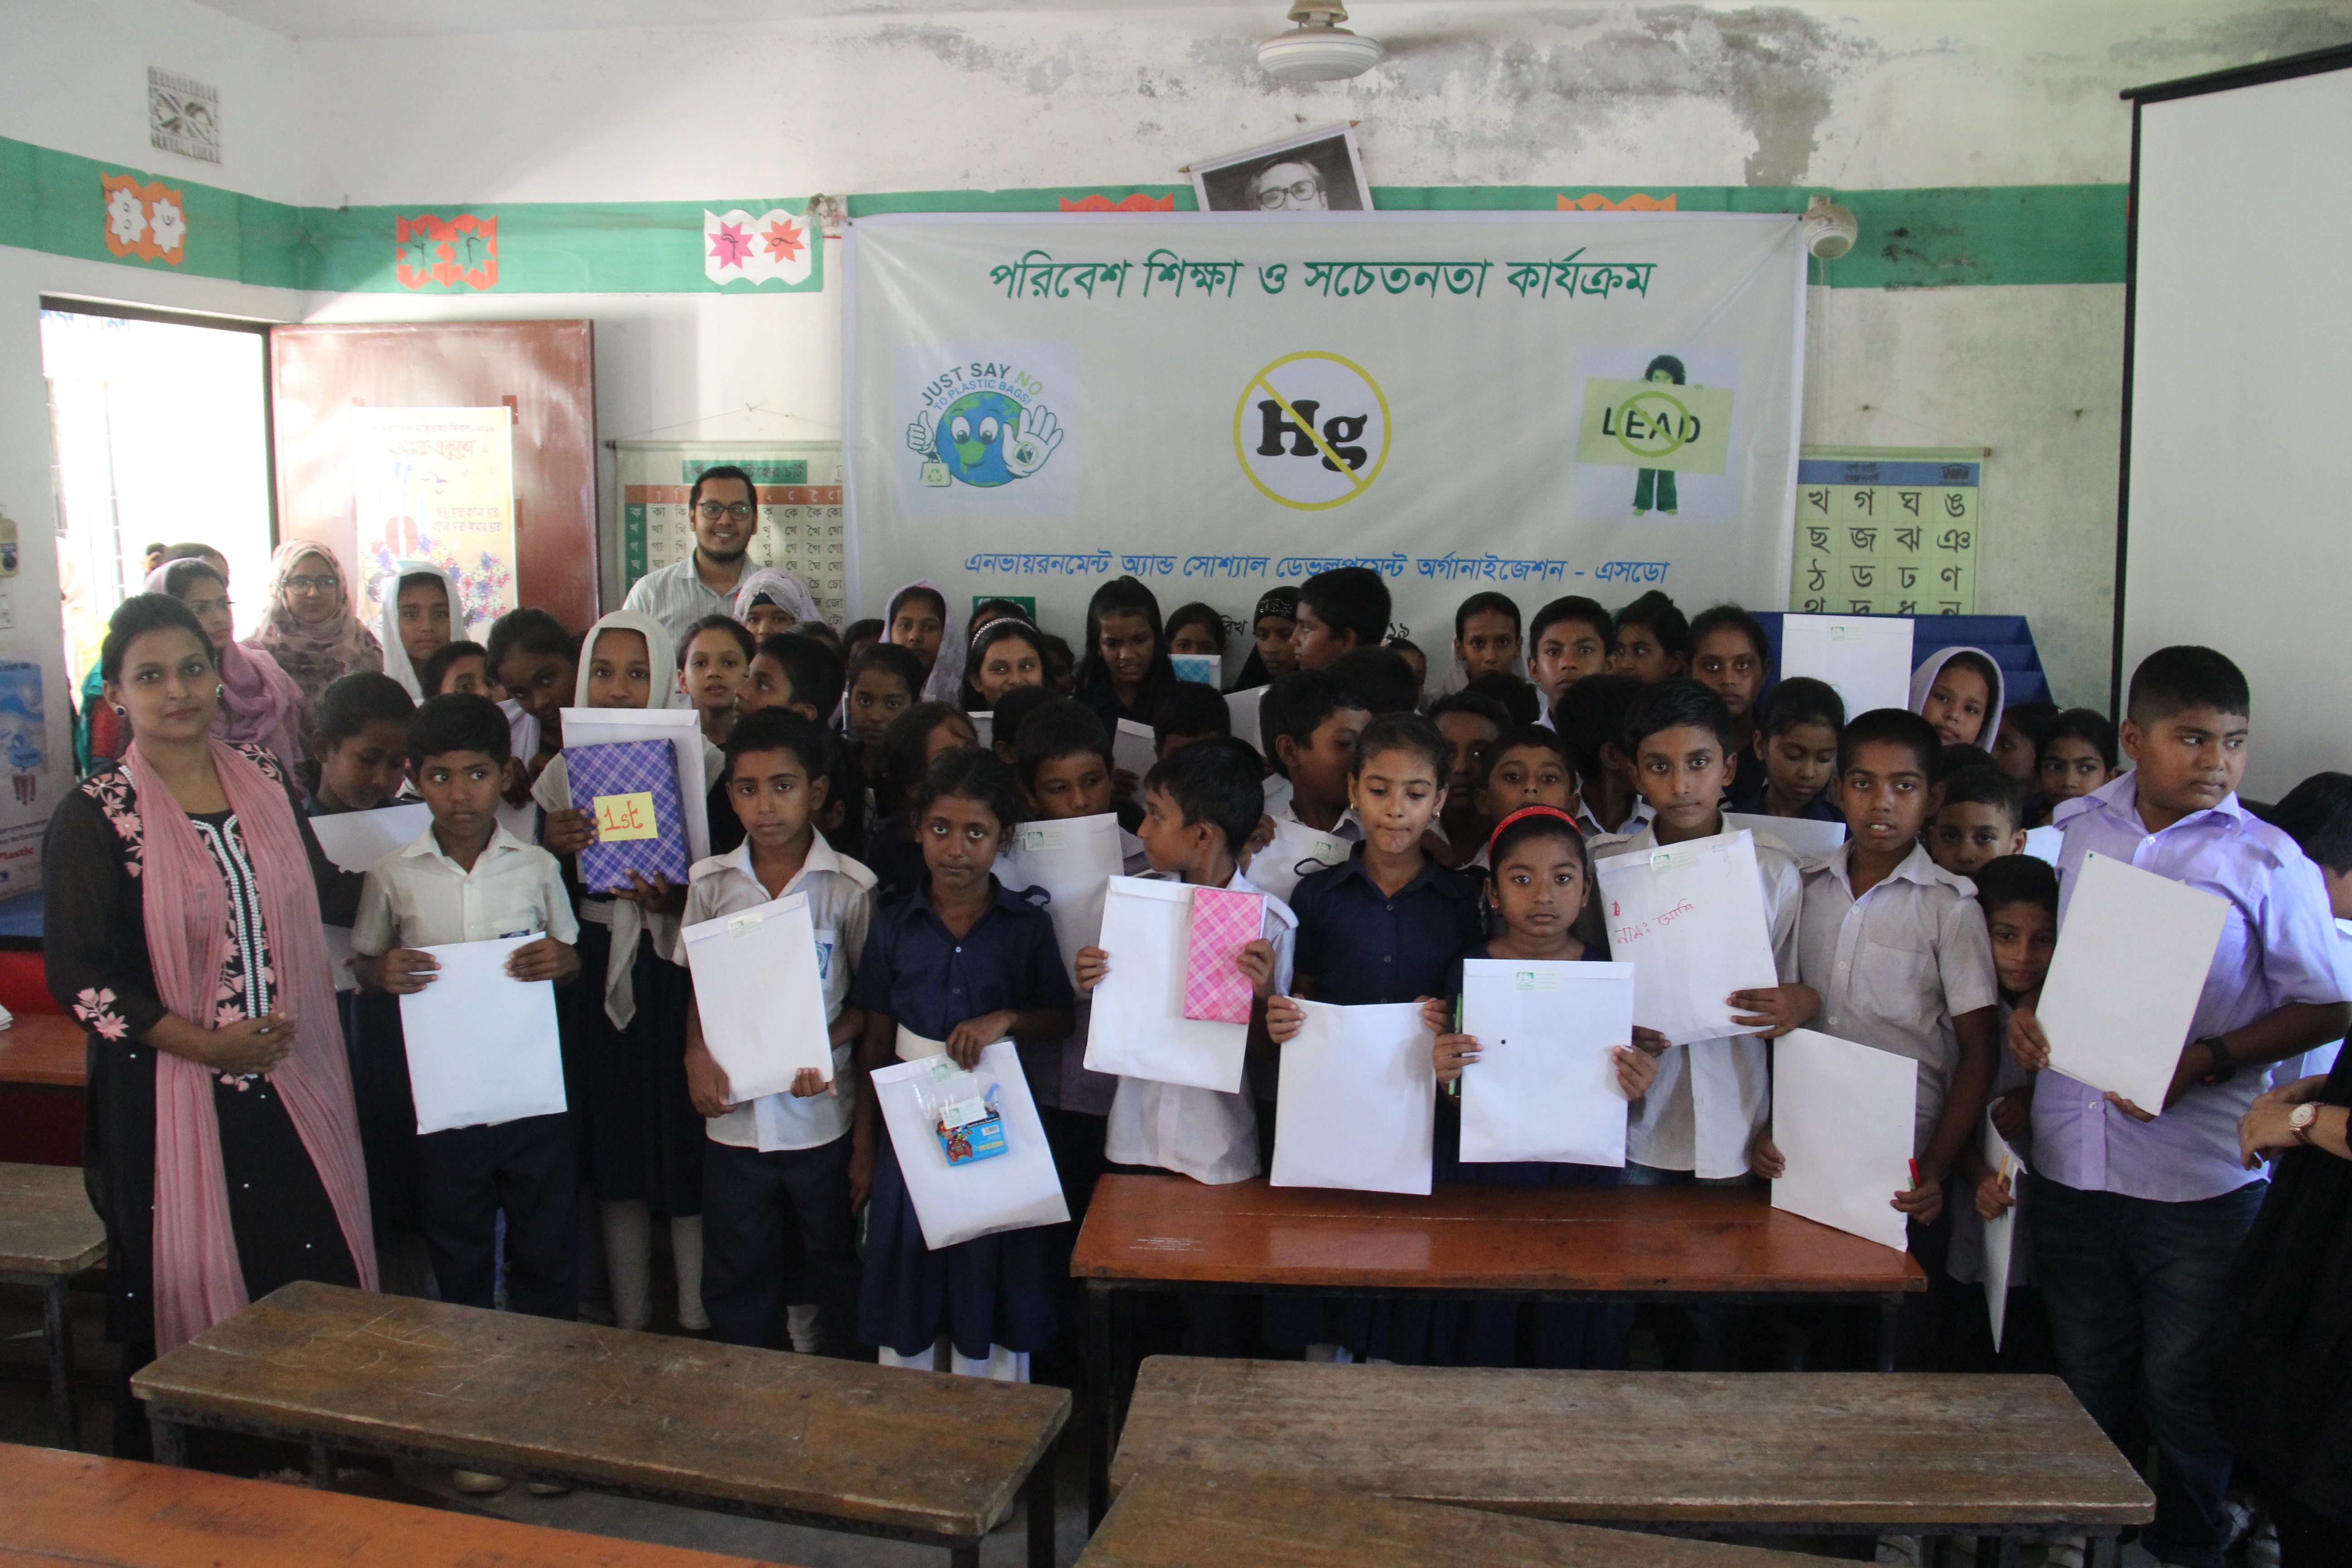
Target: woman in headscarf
(642, 1135)
(917, 619)
(420, 616)
(772, 601)
(261, 705)
(187, 899)
(310, 630)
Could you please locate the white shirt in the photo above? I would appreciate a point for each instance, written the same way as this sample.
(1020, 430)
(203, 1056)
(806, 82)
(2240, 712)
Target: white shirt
(676, 596)
(417, 896)
(840, 893)
(1712, 1097)
(1298, 849)
(1895, 966)
(1209, 1136)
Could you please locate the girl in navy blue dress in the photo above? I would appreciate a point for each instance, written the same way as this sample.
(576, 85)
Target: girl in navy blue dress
(955, 966)
(1537, 880)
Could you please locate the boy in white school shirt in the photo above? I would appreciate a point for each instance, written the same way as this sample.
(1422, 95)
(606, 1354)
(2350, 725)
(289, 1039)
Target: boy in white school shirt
(466, 879)
(779, 1205)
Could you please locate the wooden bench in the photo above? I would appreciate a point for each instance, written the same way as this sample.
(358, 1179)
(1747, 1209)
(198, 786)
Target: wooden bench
(915, 1456)
(48, 1234)
(44, 1050)
(1172, 1517)
(118, 1513)
(1854, 1453)
(1641, 1243)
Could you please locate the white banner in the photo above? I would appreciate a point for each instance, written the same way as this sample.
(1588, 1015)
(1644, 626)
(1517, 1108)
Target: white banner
(1543, 403)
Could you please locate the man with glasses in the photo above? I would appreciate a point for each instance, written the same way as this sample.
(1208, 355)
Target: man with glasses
(724, 509)
(1287, 185)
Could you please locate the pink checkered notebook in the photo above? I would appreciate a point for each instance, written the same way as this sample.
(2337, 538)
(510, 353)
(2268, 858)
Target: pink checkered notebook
(1223, 922)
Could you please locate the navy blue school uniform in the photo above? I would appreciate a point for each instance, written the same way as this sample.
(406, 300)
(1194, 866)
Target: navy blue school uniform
(1362, 947)
(640, 1137)
(1552, 1334)
(995, 1289)
(1747, 775)
(1751, 804)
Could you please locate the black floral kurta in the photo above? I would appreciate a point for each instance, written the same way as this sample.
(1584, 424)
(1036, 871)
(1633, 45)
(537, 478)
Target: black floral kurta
(95, 940)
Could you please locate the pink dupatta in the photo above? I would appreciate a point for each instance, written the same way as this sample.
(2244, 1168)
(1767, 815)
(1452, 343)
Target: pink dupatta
(197, 1279)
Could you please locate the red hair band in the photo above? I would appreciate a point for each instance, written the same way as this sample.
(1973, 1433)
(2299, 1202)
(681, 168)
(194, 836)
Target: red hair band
(1521, 814)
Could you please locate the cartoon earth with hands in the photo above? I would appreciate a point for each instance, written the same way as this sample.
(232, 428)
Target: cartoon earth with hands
(986, 438)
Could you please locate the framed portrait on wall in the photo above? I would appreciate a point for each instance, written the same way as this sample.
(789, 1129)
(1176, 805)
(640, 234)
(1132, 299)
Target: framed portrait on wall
(1318, 171)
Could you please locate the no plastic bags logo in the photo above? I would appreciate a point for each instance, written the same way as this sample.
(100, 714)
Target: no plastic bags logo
(1311, 430)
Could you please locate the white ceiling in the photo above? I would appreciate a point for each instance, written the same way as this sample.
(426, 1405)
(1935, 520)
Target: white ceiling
(390, 18)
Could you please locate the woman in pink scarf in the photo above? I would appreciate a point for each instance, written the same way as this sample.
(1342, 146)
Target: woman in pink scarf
(261, 705)
(185, 902)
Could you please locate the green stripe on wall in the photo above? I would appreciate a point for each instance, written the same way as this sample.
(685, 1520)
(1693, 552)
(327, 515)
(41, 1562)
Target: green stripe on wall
(1917, 238)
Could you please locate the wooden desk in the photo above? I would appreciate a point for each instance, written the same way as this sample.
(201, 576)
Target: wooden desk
(44, 1050)
(48, 1234)
(839, 1445)
(1170, 1516)
(1648, 1244)
(1865, 1453)
(79, 1509)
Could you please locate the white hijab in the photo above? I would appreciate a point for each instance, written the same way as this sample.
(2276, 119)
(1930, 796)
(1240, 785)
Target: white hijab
(946, 682)
(780, 588)
(396, 663)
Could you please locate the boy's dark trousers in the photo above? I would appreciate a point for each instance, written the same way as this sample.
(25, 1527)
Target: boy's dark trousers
(527, 1167)
(777, 1229)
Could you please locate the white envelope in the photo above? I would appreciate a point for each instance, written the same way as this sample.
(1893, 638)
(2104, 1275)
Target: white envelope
(2044, 843)
(2000, 1234)
(1544, 1085)
(2121, 996)
(1842, 1117)
(1138, 1028)
(1358, 1107)
(1017, 1190)
(1073, 859)
(1241, 707)
(1296, 852)
(1867, 659)
(1691, 920)
(356, 840)
(984, 726)
(1133, 748)
(761, 995)
(482, 1047)
(682, 729)
(1800, 835)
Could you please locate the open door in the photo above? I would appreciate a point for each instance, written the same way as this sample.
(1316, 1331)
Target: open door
(341, 449)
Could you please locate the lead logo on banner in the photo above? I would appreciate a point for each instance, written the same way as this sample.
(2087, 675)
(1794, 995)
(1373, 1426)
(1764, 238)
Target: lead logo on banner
(982, 434)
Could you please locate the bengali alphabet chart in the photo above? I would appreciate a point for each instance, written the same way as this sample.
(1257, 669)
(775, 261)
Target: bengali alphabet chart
(1887, 534)
(801, 526)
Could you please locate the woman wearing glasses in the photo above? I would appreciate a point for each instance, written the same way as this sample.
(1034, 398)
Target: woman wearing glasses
(311, 631)
(724, 510)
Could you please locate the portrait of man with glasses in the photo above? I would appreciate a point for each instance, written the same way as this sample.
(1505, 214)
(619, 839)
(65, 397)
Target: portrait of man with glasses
(1319, 172)
(724, 507)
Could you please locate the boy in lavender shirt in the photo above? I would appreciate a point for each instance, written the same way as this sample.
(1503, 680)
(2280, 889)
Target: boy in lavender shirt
(2138, 1215)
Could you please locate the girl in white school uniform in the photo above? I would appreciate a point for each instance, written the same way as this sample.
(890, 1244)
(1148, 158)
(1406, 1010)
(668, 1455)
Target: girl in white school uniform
(420, 616)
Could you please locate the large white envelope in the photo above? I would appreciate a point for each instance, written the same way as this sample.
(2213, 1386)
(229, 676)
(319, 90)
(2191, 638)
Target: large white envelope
(2133, 951)
(1073, 859)
(1545, 1084)
(2000, 1235)
(1138, 1028)
(1017, 1190)
(1842, 1117)
(356, 840)
(1801, 836)
(1691, 920)
(1134, 748)
(761, 995)
(1296, 852)
(1358, 1107)
(482, 1047)
(1241, 708)
(682, 728)
(1867, 659)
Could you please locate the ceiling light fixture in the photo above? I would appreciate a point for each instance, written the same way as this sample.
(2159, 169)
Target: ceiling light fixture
(1318, 49)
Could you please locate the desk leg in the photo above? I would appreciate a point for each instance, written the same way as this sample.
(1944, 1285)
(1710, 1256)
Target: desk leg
(963, 1557)
(1890, 1314)
(1104, 1439)
(170, 1440)
(1040, 1508)
(57, 1327)
(322, 1465)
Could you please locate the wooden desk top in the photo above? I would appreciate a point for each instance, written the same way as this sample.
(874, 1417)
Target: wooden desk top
(46, 1225)
(1759, 1448)
(1632, 1239)
(44, 1050)
(1171, 1517)
(910, 1451)
(57, 1508)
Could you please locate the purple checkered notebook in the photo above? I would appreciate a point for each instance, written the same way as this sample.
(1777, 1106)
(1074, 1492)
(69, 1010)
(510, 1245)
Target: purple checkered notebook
(630, 788)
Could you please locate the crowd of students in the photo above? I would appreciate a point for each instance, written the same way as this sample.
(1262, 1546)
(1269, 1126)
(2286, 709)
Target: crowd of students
(1405, 814)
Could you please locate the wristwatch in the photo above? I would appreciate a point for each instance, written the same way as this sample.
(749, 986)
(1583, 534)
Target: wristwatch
(2225, 1065)
(2299, 1120)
